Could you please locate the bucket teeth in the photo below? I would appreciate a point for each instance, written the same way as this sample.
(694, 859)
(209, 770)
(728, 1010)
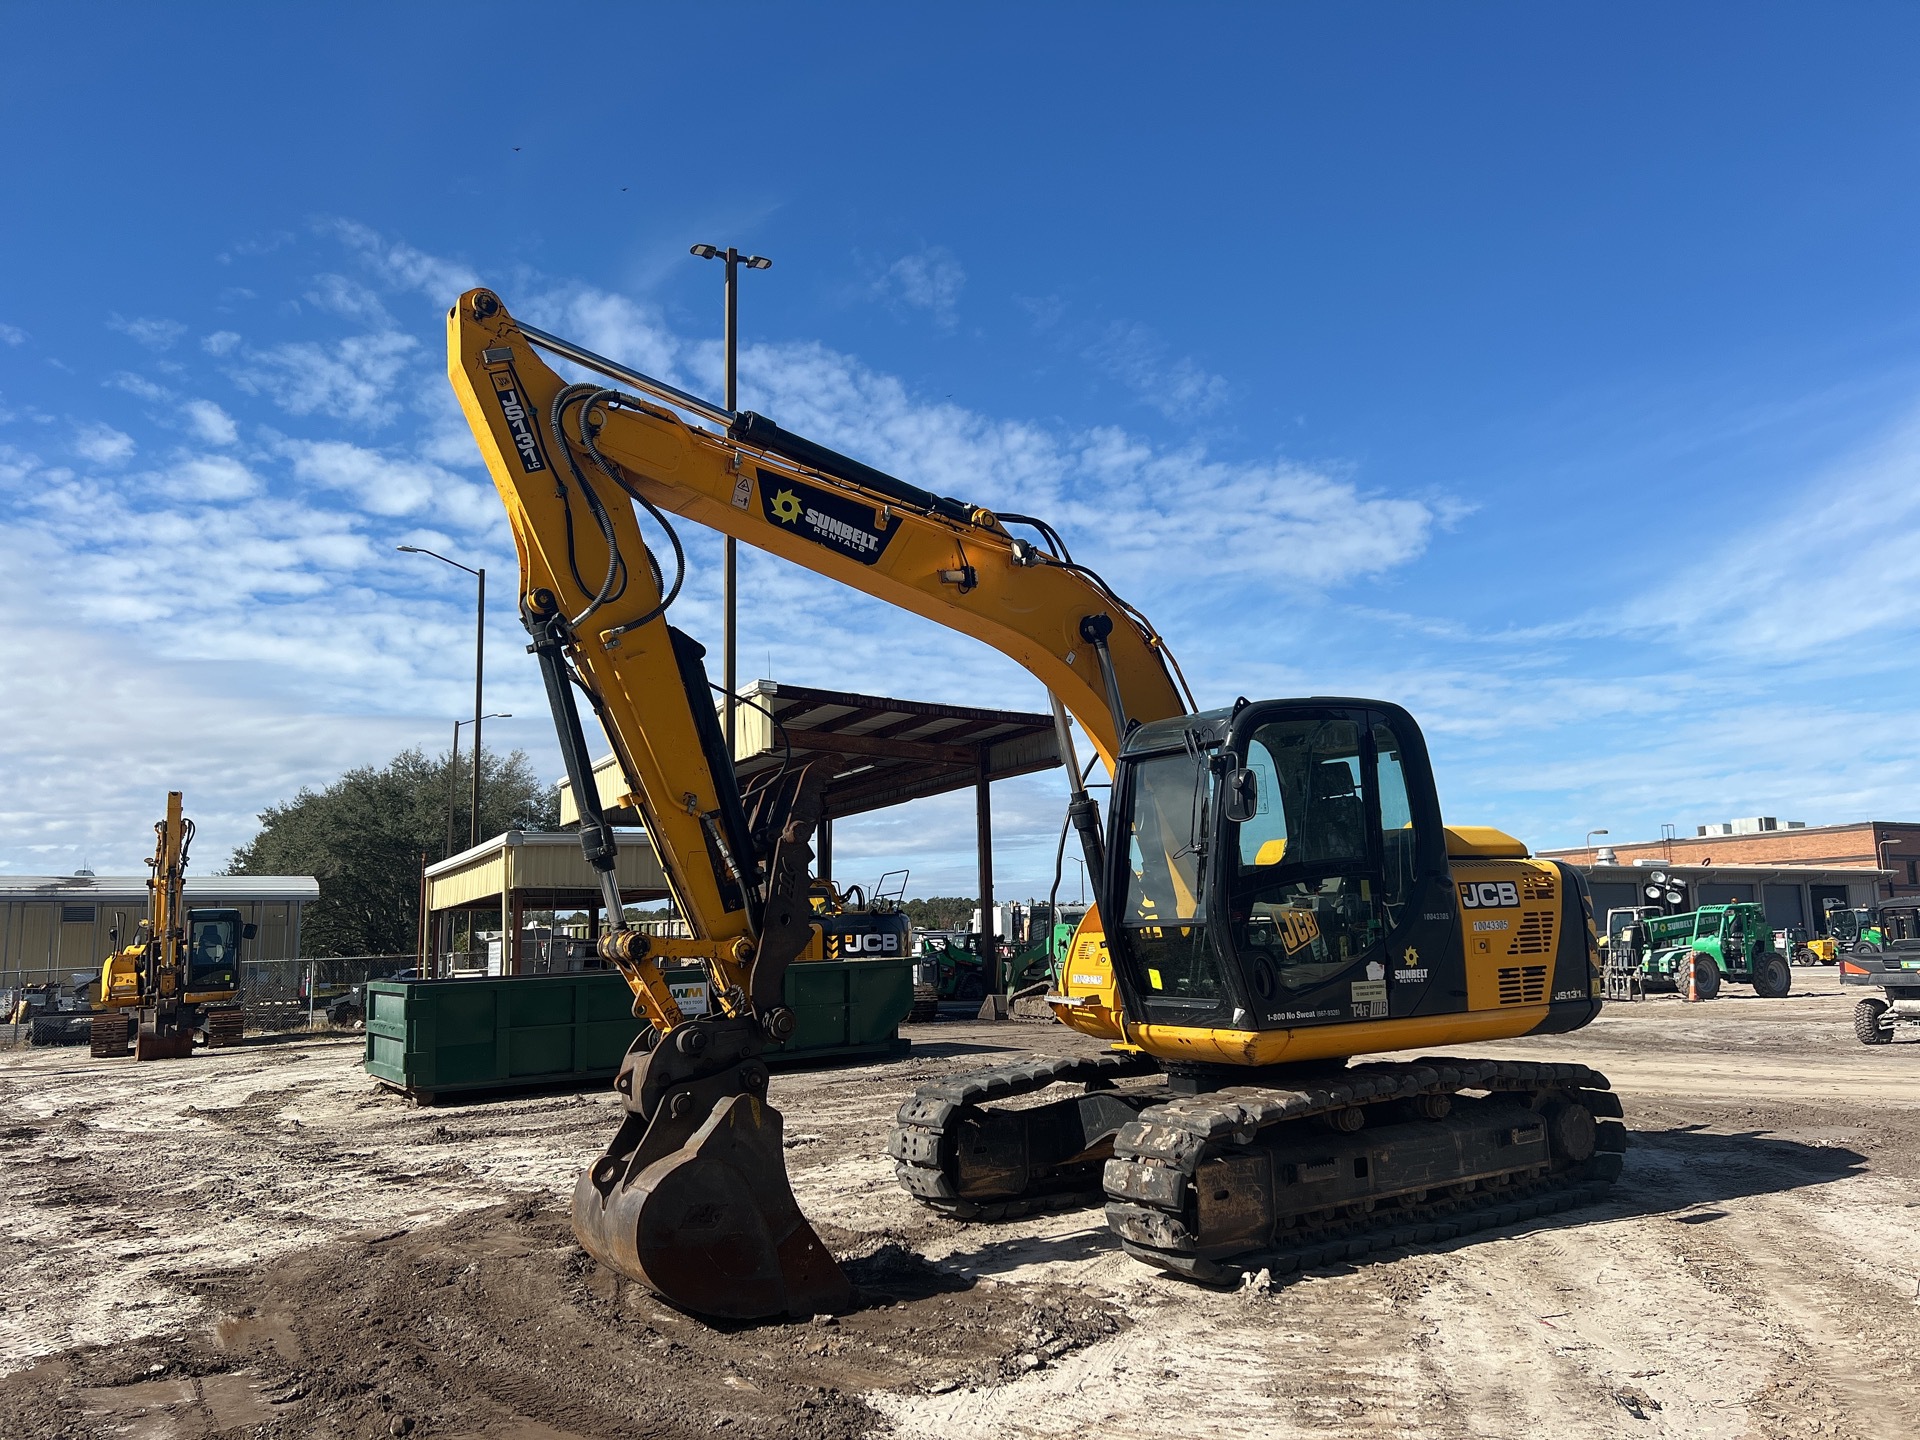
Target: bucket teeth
(712, 1226)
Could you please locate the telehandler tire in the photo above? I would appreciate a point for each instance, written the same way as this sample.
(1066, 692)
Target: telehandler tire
(1866, 1022)
(1772, 978)
(1706, 974)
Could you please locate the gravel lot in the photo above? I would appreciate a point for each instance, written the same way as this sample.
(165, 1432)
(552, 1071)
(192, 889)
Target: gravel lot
(262, 1242)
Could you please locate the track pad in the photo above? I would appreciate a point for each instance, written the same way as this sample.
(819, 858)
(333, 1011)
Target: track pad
(713, 1227)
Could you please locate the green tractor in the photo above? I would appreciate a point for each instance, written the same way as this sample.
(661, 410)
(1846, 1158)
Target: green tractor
(1720, 942)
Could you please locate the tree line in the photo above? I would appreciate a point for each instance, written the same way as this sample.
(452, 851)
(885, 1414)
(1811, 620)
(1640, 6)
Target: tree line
(363, 836)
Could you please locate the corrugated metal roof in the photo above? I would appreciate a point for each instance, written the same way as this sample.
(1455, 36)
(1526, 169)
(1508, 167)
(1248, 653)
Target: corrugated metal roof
(203, 888)
(885, 750)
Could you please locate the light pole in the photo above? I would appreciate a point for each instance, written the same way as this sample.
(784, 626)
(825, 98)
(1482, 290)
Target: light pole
(1589, 840)
(1083, 876)
(453, 767)
(734, 261)
(479, 669)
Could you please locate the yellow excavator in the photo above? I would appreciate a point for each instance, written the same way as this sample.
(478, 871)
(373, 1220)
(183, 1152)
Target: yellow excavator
(1276, 890)
(179, 978)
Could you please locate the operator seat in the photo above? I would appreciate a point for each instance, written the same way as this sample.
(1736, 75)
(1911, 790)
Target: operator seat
(1336, 827)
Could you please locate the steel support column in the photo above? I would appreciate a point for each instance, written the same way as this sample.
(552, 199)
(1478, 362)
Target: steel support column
(983, 824)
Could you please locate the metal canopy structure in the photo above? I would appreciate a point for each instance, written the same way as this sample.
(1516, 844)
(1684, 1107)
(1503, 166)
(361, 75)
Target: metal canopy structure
(890, 751)
(893, 750)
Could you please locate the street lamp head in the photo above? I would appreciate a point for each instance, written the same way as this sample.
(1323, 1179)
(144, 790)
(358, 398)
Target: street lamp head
(758, 262)
(408, 549)
(705, 252)
(1599, 832)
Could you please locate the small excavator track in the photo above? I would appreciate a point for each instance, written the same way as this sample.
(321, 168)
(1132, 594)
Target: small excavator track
(1212, 1186)
(972, 1163)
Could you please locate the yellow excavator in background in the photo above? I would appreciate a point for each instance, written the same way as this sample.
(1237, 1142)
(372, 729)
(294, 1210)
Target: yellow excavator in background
(180, 977)
(1276, 890)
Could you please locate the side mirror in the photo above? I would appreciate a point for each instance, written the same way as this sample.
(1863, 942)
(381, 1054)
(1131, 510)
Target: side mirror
(247, 932)
(1242, 799)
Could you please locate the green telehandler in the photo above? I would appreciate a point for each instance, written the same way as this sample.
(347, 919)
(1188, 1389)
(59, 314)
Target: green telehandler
(1720, 942)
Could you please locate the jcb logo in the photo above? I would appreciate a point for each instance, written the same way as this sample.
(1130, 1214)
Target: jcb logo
(1298, 928)
(1489, 894)
(886, 943)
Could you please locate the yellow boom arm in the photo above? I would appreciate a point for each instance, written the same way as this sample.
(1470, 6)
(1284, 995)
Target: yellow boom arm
(570, 460)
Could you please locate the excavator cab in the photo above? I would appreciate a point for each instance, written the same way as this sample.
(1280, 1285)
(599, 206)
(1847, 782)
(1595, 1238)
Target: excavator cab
(1270, 861)
(213, 952)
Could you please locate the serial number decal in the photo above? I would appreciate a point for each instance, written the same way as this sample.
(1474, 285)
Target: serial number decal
(1094, 980)
(1298, 929)
(520, 422)
(845, 526)
(1489, 894)
(1480, 925)
(1570, 995)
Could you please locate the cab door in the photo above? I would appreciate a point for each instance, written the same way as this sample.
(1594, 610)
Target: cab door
(1339, 905)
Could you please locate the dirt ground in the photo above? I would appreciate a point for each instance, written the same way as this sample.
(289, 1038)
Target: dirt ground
(261, 1242)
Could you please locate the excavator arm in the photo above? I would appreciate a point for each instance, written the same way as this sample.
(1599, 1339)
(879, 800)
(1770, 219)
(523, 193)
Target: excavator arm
(574, 463)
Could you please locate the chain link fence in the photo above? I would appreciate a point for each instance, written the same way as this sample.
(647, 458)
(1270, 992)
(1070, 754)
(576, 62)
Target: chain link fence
(54, 1007)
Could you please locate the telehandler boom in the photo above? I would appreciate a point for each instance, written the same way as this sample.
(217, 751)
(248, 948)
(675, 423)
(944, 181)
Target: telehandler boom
(1276, 891)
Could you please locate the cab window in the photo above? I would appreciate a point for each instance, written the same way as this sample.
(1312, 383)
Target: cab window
(213, 954)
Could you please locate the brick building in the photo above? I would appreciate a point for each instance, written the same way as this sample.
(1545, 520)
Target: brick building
(1889, 846)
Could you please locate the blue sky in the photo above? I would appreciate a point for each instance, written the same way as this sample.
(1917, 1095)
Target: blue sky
(1552, 370)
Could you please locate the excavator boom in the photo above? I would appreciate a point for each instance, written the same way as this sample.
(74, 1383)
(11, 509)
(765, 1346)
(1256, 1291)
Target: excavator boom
(692, 1196)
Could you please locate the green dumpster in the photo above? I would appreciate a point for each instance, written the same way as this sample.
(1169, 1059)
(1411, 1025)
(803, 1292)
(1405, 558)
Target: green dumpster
(435, 1037)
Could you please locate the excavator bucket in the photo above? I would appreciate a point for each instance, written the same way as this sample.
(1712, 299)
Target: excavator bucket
(154, 1042)
(712, 1226)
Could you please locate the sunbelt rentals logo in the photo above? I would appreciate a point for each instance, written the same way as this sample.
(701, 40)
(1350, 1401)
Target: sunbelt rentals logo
(848, 527)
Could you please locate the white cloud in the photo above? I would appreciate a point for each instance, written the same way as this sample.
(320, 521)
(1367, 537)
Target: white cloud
(220, 342)
(1763, 596)
(612, 325)
(1137, 357)
(356, 379)
(1141, 510)
(349, 298)
(210, 423)
(930, 280)
(103, 445)
(155, 334)
(139, 385)
(439, 279)
(383, 485)
(208, 477)
(12, 335)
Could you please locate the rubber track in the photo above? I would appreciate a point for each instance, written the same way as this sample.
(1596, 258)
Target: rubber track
(922, 1160)
(1156, 1157)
